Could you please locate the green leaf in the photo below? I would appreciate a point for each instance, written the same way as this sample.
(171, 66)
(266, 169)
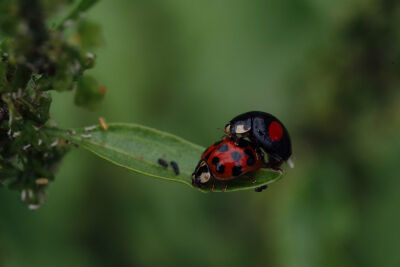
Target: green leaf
(76, 11)
(138, 148)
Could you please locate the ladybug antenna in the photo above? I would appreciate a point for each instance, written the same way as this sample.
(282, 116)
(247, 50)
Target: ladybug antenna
(221, 130)
(225, 135)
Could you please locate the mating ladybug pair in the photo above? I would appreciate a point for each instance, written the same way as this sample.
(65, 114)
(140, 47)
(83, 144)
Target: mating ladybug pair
(235, 156)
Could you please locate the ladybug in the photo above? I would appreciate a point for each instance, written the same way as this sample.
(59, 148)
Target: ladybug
(267, 132)
(227, 159)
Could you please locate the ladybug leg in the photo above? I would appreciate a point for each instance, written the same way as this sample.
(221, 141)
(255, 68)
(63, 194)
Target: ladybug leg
(225, 187)
(251, 179)
(262, 156)
(212, 187)
(274, 163)
(265, 165)
(274, 168)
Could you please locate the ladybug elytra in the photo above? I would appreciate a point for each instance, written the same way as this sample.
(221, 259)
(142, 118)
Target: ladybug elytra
(227, 159)
(266, 131)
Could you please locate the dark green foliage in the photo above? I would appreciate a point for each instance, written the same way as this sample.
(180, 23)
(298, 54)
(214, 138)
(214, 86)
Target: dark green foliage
(77, 10)
(352, 93)
(33, 60)
(88, 92)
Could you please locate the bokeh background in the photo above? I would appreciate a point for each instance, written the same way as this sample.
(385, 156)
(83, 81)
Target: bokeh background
(328, 69)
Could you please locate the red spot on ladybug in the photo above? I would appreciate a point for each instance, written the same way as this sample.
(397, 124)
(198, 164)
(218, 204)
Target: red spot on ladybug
(275, 131)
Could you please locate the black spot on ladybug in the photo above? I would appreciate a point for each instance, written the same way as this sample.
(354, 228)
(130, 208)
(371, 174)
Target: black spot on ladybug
(248, 152)
(250, 161)
(236, 156)
(220, 168)
(242, 143)
(163, 163)
(223, 148)
(215, 160)
(175, 167)
(237, 170)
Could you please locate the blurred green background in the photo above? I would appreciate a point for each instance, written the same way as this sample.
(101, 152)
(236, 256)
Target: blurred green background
(328, 69)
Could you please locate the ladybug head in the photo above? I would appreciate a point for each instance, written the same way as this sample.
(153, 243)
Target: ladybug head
(237, 127)
(201, 174)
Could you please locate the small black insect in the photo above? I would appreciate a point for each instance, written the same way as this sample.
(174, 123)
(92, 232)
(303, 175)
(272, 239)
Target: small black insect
(175, 167)
(163, 163)
(261, 188)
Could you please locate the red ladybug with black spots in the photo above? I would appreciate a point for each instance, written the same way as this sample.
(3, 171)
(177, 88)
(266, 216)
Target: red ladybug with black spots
(226, 160)
(266, 131)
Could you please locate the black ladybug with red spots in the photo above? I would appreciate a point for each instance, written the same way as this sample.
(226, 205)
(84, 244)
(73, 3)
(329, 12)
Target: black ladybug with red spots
(266, 131)
(226, 160)
(240, 150)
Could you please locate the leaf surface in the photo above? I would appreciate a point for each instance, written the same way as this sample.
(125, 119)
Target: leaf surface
(138, 148)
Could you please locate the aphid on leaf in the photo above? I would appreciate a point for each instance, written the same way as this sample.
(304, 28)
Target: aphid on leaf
(261, 188)
(103, 124)
(162, 162)
(175, 167)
